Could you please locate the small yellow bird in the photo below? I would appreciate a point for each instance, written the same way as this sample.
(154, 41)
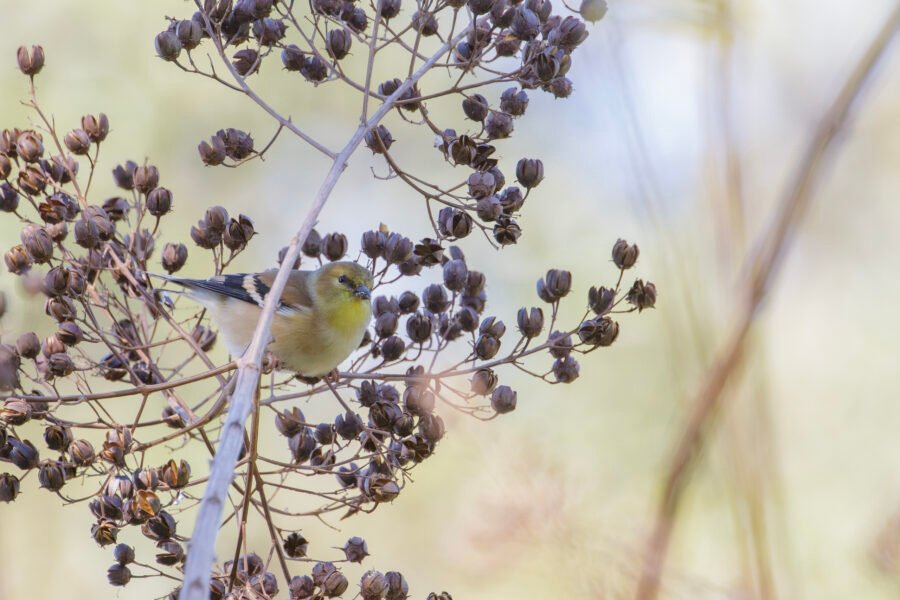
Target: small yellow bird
(320, 321)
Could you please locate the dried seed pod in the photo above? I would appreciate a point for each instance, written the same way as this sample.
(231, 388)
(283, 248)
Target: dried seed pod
(498, 125)
(514, 101)
(30, 63)
(372, 243)
(593, 10)
(302, 445)
(212, 153)
(289, 423)
(51, 475)
(145, 178)
(314, 69)
(312, 246)
(9, 487)
(334, 584)
(390, 8)
(87, 234)
(238, 233)
(386, 324)
(17, 260)
(531, 322)
(348, 425)
(205, 337)
(337, 43)
(123, 554)
(560, 87)
(642, 295)
(56, 281)
(170, 553)
(81, 452)
(9, 197)
(506, 231)
(334, 246)
(159, 201)
(173, 257)
(96, 127)
(393, 348)
(38, 243)
(190, 33)
(431, 427)
(503, 399)
(60, 365)
(246, 62)
(493, 327)
(14, 411)
(29, 146)
(530, 172)
(175, 475)
(238, 144)
(77, 141)
(142, 506)
(566, 370)
(560, 344)
(146, 479)
(159, 527)
(28, 345)
(69, 333)
(32, 180)
(526, 25)
(555, 285)
(295, 545)
(356, 549)
(476, 107)
(418, 401)
(425, 23)
(23, 454)
(373, 585)
(124, 175)
(379, 140)
(205, 237)
(118, 575)
(269, 31)
(624, 255)
(601, 300)
(486, 347)
(398, 588)
(61, 309)
(168, 46)
(408, 303)
(397, 248)
(601, 331)
(481, 184)
(483, 382)
(418, 328)
(292, 57)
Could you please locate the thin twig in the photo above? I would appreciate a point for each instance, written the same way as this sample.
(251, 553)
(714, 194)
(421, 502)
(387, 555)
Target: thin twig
(202, 549)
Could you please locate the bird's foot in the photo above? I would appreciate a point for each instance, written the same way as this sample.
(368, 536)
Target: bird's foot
(333, 376)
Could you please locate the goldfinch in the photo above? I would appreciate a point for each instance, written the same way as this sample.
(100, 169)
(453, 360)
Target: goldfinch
(321, 319)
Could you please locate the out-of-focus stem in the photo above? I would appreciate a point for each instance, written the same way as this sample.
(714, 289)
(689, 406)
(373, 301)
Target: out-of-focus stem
(762, 270)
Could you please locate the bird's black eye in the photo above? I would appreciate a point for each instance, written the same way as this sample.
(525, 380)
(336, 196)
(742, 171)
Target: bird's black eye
(343, 279)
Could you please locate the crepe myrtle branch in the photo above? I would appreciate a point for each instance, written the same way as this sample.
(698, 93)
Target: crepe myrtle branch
(437, 344)
(202, 550)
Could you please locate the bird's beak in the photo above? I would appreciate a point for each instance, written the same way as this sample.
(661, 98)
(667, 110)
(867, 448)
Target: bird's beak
(362, 292)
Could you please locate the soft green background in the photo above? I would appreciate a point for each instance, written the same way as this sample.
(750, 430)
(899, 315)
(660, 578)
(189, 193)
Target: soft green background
(555, 500)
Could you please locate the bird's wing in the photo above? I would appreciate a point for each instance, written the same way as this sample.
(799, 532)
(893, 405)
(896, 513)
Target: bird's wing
(254, 287)
(297, 295)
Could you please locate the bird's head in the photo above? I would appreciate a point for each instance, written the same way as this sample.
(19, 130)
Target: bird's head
(341, 282)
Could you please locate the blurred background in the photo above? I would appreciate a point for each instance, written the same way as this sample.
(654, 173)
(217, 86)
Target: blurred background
(798, 492)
